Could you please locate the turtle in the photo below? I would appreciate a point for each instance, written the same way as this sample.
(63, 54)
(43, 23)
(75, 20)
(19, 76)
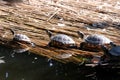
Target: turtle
(112, 54)
(21, 38)
(22, 42)
(60, 40)
(93, 42)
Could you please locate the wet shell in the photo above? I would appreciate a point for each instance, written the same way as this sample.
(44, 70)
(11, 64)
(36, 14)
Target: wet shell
(63, 39)
(97, 39)
(22, 37)
(94, 42)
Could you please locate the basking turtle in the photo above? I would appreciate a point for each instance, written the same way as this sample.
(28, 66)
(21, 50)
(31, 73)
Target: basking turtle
(22, 42)
(21, 38)
(113, 53)
(93, 42)
(60, 40)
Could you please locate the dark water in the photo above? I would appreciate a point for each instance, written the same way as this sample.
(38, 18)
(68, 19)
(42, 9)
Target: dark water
(28, 66)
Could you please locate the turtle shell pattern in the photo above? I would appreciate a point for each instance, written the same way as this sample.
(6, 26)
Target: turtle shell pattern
(22, 37)
(97, 39)
(94, 42)
(62, 40)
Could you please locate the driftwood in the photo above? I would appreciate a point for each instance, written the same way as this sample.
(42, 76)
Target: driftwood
(61, 17)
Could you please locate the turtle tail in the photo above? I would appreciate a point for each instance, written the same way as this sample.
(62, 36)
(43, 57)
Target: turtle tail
(13, 32)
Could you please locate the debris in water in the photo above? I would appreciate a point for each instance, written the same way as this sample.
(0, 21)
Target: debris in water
(2, 57)
(96, 59)
(50, 64)
(22, 79)
(35, 58)
(6, 75)
(49, 59)
(2, 61)
(12, 54)
(33, 61)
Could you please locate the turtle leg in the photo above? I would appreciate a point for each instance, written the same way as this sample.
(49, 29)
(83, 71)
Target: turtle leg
(72, 46)
(106, 56)
(81, 45)
(49, 44)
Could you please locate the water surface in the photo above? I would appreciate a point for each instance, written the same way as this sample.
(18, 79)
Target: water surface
(28, 66)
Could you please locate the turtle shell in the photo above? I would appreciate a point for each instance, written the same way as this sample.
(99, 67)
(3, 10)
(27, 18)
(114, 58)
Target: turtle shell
(115, 51)
(22, 37)
(97, 39)
(62, 39)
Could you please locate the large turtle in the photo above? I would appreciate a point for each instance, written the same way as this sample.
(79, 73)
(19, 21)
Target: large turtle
(60, 40)
(93, 42)
(112, 54)
(22, 41)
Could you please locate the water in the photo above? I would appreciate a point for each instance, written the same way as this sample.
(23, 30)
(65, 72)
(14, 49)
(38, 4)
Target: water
(28, 66)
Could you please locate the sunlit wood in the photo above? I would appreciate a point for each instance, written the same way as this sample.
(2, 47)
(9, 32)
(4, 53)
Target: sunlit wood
(62, 16)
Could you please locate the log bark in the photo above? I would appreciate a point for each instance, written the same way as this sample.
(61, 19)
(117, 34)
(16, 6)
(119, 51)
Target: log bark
(66, 18)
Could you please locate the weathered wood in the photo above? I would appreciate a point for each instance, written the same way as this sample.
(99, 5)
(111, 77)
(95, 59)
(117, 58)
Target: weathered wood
(33, 20)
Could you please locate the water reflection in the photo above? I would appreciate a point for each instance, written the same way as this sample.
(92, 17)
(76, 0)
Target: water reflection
(26, 66)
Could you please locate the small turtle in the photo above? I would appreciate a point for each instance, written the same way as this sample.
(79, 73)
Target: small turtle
(22, 41)
(113, 53)
(61, 40)
(93, 42)
(22, 38)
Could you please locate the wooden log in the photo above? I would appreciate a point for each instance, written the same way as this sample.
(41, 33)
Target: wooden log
(33, 21)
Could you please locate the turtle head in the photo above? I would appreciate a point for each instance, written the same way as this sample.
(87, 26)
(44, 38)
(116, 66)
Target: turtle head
(49, 33)
(112, 44)
(81, 34)
(13, 32)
